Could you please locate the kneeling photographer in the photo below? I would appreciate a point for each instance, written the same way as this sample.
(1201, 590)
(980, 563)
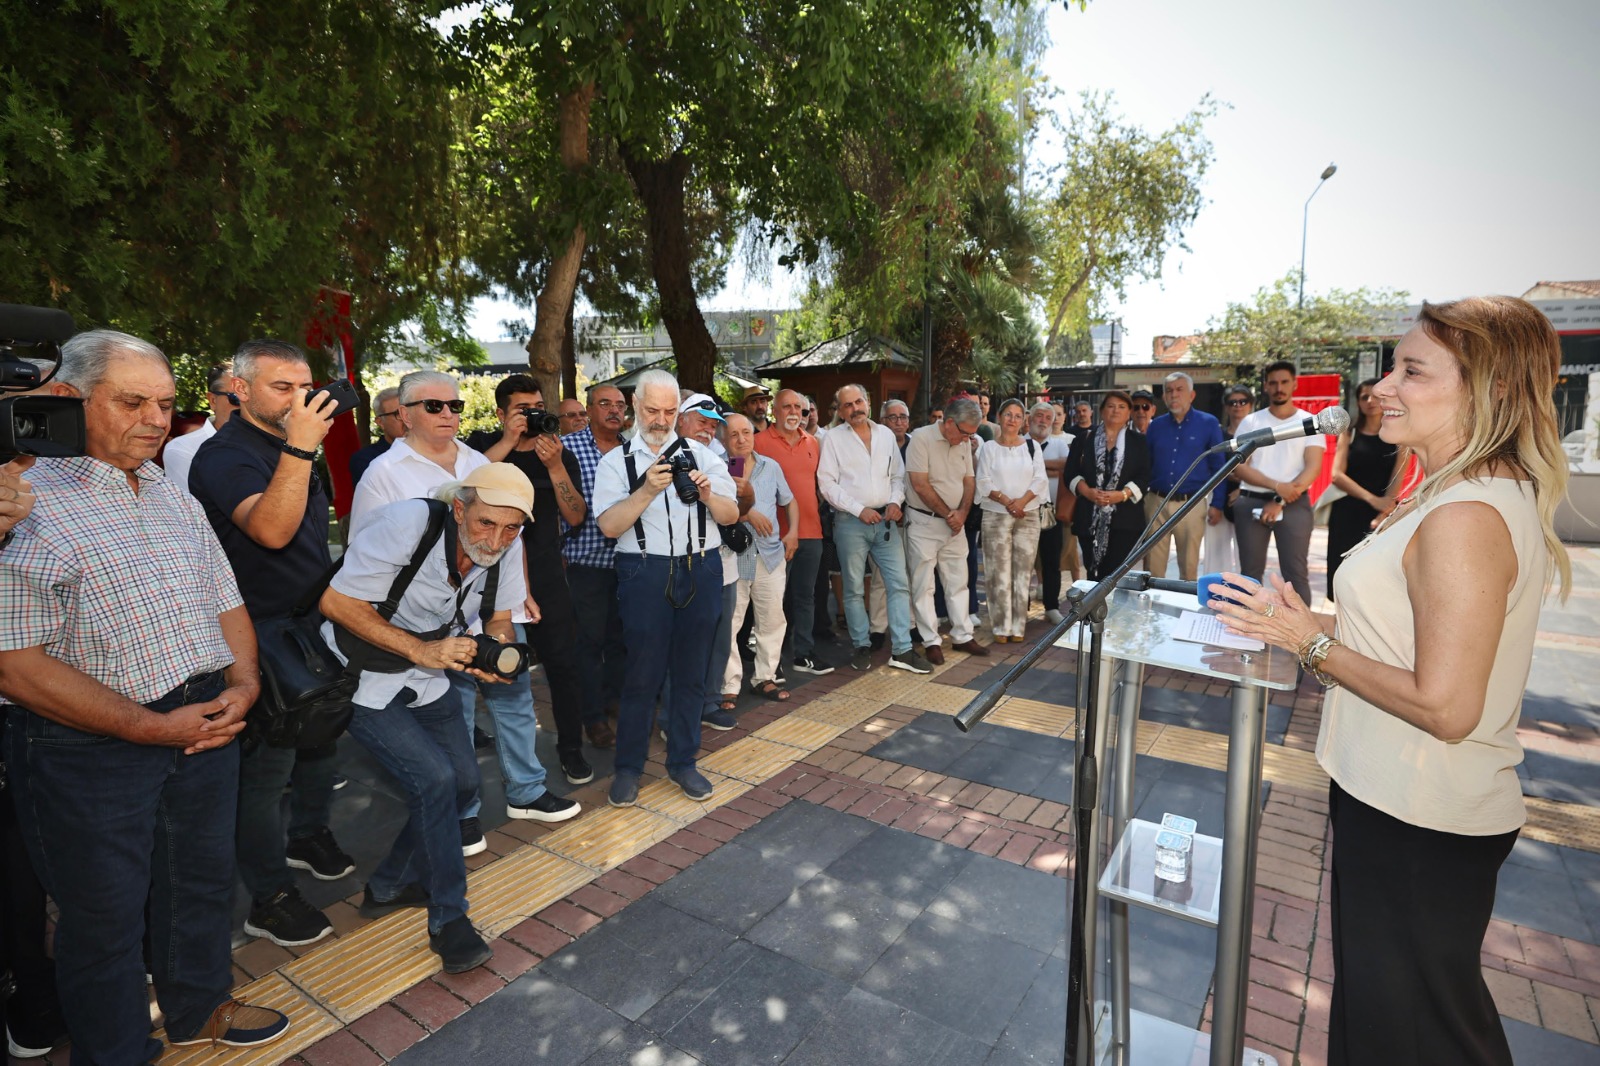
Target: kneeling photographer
(399, 609)
(529, 440)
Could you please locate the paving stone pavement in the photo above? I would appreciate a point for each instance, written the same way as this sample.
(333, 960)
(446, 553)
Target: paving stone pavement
(868, 885)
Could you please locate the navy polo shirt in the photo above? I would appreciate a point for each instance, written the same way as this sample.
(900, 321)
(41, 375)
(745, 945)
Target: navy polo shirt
(1174, 445)
(232, 466)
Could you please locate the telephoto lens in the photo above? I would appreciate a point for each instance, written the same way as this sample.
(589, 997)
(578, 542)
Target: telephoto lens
(540, 421)
(682, 483)
(502, 660)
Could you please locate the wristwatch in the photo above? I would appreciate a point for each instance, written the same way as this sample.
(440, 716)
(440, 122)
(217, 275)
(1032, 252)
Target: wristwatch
(299, 453)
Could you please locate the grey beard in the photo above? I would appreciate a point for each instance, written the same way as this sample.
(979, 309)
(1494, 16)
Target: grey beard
(481, 556)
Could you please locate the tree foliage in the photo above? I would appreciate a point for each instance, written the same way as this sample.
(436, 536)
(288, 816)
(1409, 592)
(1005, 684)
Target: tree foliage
(1330, 331)
(1119, 203)
(193, 171)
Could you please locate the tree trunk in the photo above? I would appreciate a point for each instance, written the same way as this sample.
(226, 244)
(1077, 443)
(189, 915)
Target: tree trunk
(952, 350)
(659, 183)
(569, 359)
(553, 308)
(1066, 301)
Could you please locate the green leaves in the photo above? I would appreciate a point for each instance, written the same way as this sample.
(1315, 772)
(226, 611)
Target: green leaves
(1330, 329)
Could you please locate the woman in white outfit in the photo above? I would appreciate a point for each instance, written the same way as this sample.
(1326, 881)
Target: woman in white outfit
(1011, 485)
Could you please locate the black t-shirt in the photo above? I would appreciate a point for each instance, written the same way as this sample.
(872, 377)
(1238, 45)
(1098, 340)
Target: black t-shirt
(543, 534)
(235, 464)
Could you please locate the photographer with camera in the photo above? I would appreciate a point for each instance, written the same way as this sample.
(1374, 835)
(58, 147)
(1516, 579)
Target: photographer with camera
(428, 457)
(529, 441)
(257, 482)
(177, 458)
(398, 610)
(129, 662)
(661, 497)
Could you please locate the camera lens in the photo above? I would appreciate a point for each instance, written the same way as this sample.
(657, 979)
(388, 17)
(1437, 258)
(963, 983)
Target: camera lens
(503, 660)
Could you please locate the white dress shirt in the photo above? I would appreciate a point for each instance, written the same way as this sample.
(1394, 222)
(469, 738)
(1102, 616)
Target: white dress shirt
(401, 473)
(853, 476)
(671, 527)
(178, 455)
(370, 566)
(1011, 472)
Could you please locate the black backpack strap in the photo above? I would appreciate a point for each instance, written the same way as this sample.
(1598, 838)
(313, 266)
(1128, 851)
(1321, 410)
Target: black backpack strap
(438, 512)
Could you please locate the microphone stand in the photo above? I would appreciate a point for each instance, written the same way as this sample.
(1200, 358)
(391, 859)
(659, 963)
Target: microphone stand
(1088, 607)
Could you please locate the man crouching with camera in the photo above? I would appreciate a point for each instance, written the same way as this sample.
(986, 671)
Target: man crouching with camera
(398, 612)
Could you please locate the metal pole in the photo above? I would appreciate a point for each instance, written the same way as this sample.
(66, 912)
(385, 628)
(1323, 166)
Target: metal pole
(1237, 901)
(1305, 218)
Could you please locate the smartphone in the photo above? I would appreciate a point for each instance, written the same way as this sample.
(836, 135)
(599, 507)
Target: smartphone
(736, 466)
(343, 393)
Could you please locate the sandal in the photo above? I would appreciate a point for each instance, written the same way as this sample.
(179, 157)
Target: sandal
(769, 690)
(730, 702)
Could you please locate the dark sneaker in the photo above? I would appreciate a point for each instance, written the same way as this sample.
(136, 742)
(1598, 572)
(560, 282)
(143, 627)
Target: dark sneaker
(238, 1025)
(910, 660)
(33, 1030)
(719, 720)
(693, 783)
(576, 769)
(549, 807)
(624, 790)
(287, 920)
(601, 735)
(413, 895)
(460, 946)
(472, 841)
(934, 654)
(320, 854)
(339, 781)
(862, 659)
(807, 665)
(877, 639)
(30, 1047)
(480, 739)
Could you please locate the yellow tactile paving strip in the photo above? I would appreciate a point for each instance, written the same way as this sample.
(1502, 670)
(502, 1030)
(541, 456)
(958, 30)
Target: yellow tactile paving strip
(1555, 822)
(753, 761)
(519, 885)
(800, 732)
(611, 835)
(840, 710)
(664, 797)
(366, 968)
(308, 1023)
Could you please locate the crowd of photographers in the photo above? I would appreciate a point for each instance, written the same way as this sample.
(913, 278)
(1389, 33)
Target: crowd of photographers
(653, 557)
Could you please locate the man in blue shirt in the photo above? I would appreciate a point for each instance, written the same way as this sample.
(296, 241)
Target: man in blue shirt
(1176, 439)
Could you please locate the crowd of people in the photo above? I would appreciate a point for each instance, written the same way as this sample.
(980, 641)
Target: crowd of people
(655, 556)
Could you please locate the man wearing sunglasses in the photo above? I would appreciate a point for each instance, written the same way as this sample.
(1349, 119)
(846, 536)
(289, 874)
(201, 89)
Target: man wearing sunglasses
(1144, 410)
(178, 456)
(386, 420)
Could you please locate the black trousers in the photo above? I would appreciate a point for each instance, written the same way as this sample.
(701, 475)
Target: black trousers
(555, 641)
(1410, 910)
(1118, 545)
(1050, 565)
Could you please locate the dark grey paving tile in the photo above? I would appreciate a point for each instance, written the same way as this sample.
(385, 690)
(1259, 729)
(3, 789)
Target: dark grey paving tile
(1023, 740)
(805, 836)
(638, 1046)
(865, 1028)
(1532, 1046)
(638, 956)
(901, 865)
(1568, 708)
(1170, 956)
(1025, 906)
(1002, 767)
(1557, 777)
(1581, 865)
(1205, 806)
(1588, 893)
(747, 1006)
(734, 886)
(1148, 1001)
(1537, 855)
(920, 744)
(533, 1019)
(969, 980)
(1531, 897)
(835, 927)
(1036, 1033)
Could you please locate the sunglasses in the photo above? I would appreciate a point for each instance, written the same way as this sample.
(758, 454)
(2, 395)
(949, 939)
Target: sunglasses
(1144, 407)
(433, 407)
(1238, 403)
(806, 413)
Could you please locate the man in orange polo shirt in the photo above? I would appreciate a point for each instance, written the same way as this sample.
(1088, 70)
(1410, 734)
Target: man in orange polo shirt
(797, 453)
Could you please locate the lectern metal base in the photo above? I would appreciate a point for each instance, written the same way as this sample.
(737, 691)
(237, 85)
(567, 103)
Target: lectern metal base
(1154, 1041)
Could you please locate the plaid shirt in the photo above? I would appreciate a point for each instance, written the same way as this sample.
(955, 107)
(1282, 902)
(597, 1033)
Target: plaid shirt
(588, 546)
(124, 587)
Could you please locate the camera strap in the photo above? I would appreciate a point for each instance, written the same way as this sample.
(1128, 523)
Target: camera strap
(634, 481)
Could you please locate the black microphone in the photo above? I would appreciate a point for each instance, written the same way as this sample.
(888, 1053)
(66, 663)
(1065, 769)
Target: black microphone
(1330, 421)
(1142, 581)
(34, 325)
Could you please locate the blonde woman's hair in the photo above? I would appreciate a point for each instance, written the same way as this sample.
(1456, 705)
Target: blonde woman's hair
(1509, 357)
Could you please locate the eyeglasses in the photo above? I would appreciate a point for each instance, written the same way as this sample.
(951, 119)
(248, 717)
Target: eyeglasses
(433, 407)
(1238, 403)
(806, 413)
(611, 405)
(387, 414)
(1144, 407)
(897, 418)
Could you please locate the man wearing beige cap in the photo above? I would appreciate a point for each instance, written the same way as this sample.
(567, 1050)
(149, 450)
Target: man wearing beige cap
(403, 637)
(756, 403)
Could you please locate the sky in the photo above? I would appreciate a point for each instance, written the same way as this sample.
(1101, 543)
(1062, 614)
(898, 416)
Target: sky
(1464, 133)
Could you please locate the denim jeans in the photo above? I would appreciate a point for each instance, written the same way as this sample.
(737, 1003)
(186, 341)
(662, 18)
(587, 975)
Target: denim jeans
(602, 655)
(111, 826)
(430, 755)
(516, 732)
(263, 771)
(799, 600)
(670, 609)
(856, 540)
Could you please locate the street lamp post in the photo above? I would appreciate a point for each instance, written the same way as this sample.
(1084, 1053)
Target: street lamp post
(1305, 218)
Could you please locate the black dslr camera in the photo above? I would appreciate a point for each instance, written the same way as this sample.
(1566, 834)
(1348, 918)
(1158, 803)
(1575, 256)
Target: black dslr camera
(681, 460)
(30, 354)
(540, 422)
(502, 660)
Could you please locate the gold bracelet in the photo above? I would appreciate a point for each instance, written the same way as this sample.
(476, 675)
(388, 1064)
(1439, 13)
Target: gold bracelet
(1316, 654)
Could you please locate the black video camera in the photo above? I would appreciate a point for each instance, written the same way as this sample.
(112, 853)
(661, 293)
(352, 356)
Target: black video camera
(502, 660)
(540, 422)
(681, 460)
(30, 355)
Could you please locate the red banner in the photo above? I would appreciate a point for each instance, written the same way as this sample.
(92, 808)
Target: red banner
(1312, 393)
(329, 331)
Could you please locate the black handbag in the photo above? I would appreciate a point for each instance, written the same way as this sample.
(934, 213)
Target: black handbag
(305, 690)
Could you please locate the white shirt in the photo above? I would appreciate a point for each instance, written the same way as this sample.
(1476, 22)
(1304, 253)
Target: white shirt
(1284, 460)
(671, 527)
(1011, 472)
(370, 566)
(178, 455)
(853, 477)
(401, 473)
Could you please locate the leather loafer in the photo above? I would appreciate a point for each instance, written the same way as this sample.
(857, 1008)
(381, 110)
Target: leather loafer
(933, 653)
(600, 734)
(971, 647)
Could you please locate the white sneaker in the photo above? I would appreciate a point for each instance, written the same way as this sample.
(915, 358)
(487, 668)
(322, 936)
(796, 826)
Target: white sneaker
(974, 621)
(1053, 616)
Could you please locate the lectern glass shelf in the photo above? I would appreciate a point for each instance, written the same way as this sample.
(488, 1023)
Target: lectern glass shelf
(1130, 874)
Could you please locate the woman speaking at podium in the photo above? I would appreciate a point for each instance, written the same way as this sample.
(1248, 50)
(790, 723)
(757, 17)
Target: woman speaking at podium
(1425, 663)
